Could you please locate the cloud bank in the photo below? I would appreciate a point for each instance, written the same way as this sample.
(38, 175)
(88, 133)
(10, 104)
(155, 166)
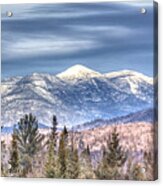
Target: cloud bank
(103, 36)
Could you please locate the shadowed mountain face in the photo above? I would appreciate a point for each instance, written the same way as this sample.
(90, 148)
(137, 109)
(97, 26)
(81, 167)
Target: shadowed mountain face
(143, 116)
(76, 96)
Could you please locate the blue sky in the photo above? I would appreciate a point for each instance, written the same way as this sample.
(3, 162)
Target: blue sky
(49, 38)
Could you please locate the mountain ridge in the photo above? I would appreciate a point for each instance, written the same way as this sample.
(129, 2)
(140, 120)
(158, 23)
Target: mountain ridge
(83, 68)
(75, 100)
(140, 116)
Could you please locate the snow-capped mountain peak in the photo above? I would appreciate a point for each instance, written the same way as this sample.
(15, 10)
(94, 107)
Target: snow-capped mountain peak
(78, 71)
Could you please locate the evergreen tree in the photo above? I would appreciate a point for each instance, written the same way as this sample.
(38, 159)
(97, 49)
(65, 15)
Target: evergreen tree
(65, 135)
(63, 153)
(54, 130)
(51, 164)
(72, 163)
(51, 167)
(14, 156)
(29, 141)
(113, 158)
(86, 169)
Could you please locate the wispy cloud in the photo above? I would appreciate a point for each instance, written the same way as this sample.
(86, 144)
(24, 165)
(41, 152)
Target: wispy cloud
(60, 11)
(107, 30)
(89, 33)
(48, 45)
(139, 3)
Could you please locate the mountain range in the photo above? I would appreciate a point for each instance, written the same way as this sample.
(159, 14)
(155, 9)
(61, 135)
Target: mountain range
(143, 116)
(77, 95)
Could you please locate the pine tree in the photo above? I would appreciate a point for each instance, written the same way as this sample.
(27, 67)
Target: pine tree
(113, 158)
(29, 141)
(86, 169)
(50, 167)
(14, 156)
(63, 153)
(72, 163)
(51, 164)
(65, 135)
(54, 130)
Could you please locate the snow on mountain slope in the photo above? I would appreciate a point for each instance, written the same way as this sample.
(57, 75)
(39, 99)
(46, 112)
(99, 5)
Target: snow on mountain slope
(76, 72)
(131, 74)
(8, 84)
(76, 96)
(133, 82)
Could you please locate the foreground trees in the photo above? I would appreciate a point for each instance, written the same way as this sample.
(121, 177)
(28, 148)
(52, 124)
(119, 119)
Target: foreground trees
(62, 156)
(72, 162)
(29, 142)
(4, 170)
(14, 155)
(62, 153)
(113, 159)
(51, 164)
(86, 168)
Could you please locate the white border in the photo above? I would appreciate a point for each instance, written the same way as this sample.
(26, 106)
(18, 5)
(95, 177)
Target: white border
(42, 182)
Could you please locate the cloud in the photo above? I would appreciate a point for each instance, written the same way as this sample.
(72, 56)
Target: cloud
(76, 32)
(60, 11)
(104, 30)
(144, 3)
(47, 45)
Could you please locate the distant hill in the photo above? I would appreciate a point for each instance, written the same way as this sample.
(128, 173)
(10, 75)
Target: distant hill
(141, 116)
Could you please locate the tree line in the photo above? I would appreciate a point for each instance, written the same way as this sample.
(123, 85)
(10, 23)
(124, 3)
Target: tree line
(62, 157)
